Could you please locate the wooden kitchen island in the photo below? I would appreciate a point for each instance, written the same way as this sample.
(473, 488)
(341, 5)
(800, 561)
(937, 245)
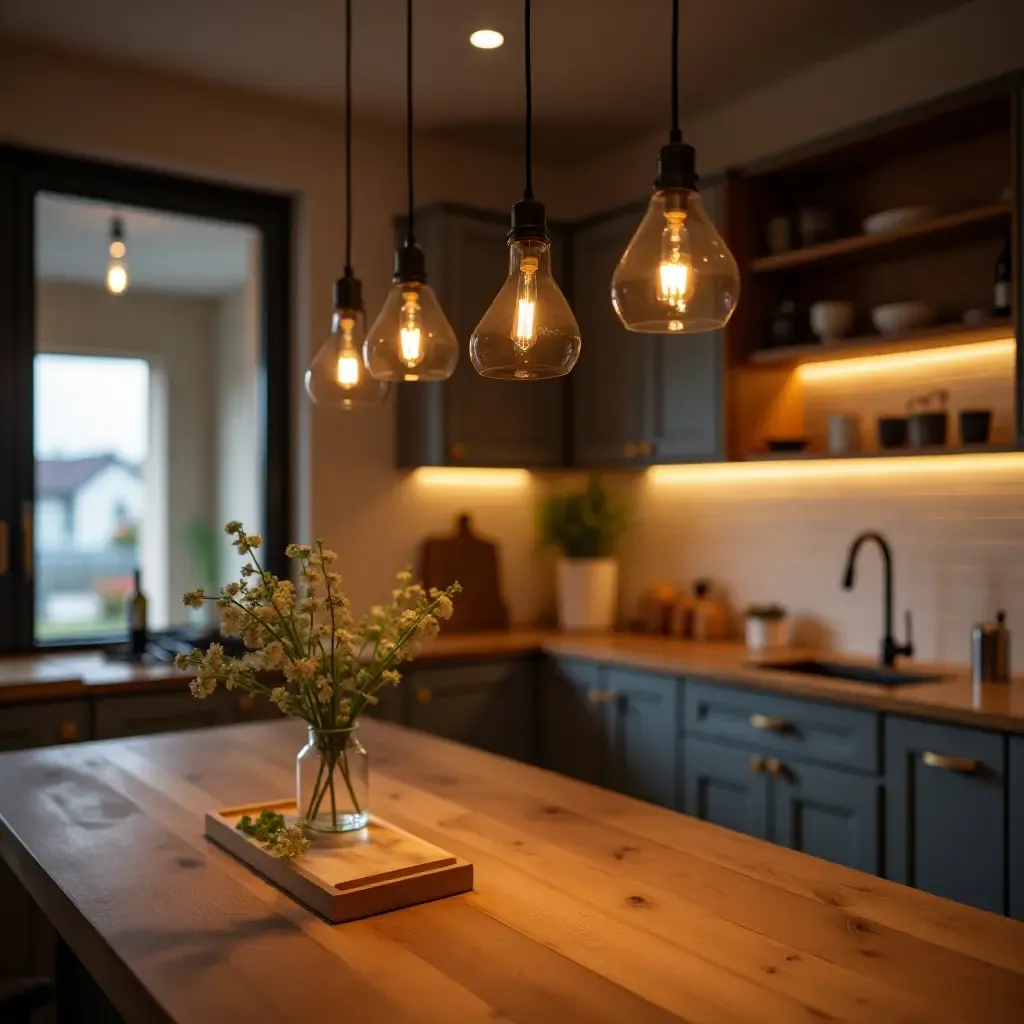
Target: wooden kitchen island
(589, 906)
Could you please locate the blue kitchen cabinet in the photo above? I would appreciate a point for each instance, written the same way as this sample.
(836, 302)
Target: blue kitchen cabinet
(726, 786)
(1015, 826)
(643, 729)
(946, 811)
(834, 815)
(576, 713)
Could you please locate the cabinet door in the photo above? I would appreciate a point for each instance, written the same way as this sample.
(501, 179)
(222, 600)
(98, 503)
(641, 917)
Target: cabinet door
(945, 812)
(828, 814)
(486, 704)
(723, 785)
(43, 724)
(1015, 803)
(140, 714)
(687, 386)
(469, 420)
(643, 736)
(575, 721)
(610, 385)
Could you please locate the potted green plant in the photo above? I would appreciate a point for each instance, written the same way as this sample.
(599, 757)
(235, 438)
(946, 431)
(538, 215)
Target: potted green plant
(584, 525)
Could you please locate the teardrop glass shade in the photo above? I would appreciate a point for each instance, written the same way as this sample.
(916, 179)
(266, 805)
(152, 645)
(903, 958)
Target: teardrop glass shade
(411, 338)
(337, 378)
(677, 275)
(529, 332)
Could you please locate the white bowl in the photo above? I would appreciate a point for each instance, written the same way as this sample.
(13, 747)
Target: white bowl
(900, 317)
(892, 220)
(831, 320)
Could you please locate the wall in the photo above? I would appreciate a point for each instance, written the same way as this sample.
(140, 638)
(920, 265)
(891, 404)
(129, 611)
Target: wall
(345, 487)
(175, 335)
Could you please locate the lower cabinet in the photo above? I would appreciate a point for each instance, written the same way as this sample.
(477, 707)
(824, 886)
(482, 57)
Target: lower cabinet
(141, 713)
(487, 704)
(946, 811)
(43, 724)
(613, 727)
(725, 786)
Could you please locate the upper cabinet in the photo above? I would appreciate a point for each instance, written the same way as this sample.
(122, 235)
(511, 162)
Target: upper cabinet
(468, 420)
(638, 399)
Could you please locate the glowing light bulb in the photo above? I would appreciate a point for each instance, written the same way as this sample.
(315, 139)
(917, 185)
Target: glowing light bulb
(529, 332)
(677, 274)
(411, 338)
(337, 377)
(117, 278)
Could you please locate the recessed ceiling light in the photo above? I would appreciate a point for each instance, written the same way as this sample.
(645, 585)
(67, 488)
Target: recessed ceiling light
(486, 39)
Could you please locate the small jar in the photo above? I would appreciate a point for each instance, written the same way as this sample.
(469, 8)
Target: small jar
(332, 774)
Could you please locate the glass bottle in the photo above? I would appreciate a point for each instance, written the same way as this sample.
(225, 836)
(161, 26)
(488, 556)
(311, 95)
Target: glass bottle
(333, 780)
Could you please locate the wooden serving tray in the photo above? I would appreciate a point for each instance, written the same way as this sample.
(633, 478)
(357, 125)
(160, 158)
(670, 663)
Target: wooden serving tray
(348, 875)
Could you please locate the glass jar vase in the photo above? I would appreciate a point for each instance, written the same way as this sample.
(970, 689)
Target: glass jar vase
(333, 780)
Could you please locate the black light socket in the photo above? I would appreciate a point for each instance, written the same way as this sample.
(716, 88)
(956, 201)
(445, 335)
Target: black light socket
(348, 293)
(677, 166)
(528, 221)
(410, 264)
(117, 230)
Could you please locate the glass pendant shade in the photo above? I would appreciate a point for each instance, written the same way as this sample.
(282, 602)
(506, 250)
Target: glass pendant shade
(529, 332)
(411, 338)
(677, 275)
(337, 378)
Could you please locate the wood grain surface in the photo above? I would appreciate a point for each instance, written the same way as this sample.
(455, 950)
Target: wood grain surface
(588, 906)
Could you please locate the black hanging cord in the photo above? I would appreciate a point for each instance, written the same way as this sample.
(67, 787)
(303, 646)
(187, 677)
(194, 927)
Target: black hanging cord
(410, 234)
(675, 135)
(528, 190)
(348, 138)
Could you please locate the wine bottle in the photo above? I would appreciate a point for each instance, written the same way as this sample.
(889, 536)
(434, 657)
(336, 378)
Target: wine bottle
(137, 618)
(1002, 305)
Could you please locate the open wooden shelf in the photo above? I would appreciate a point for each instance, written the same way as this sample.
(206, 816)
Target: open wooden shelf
(884, 453)
(951, 223)
(879, 344)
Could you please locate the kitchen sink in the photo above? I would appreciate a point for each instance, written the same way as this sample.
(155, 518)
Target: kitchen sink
(877, 674)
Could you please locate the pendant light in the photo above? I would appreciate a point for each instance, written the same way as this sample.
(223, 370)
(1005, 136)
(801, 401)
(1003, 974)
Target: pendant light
(337, 377)
(677, 275)
(411, 339)
(529, 332)
(117, 269)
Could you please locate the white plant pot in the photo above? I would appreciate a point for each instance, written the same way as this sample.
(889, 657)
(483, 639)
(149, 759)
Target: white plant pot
(762, 634)
(588, 593)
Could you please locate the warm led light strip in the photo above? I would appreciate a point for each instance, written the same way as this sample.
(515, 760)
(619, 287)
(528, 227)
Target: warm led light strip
(823, 469)
(456, 477)
(1002, 348)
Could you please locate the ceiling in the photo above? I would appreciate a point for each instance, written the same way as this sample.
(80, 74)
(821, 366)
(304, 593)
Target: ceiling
(598, 64)
(164, 252)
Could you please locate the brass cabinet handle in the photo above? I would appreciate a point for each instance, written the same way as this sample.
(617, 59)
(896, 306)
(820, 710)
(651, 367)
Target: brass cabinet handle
(423, 695)
(757, 764)
(27, 521)
(767, 723)
(246, 703)
(774, 766)
(5, 555)
(68, 731)
(630, 450)
(457, 450)
(950, 764)
(596, 696)
(644, 448)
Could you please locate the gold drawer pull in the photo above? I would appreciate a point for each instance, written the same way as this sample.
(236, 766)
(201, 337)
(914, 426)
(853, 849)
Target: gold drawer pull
(950, 764)
(68, 731)
(644, 448)
(630, 450)
(600, 696)
(767, 723)
(757, 764)
(423, 695)
(246, 703)
(774, 766)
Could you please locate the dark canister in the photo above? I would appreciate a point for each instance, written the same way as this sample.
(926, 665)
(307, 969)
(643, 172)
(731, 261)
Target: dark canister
(975, 425)
(990, 651)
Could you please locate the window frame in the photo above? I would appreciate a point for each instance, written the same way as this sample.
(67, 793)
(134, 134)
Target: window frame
(24, 173)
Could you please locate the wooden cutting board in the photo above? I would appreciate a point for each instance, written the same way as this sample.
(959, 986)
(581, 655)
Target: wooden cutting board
(469, 559)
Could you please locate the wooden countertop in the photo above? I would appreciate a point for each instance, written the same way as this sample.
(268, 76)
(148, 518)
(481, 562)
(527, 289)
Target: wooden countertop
(954, 699)
(589, 906)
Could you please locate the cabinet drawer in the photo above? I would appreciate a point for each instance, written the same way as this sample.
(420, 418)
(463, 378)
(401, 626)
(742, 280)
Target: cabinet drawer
(43, 724)
(827, 733)
(140, 714)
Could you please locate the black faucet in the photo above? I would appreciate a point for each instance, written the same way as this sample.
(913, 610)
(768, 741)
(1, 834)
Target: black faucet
(890, 649)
